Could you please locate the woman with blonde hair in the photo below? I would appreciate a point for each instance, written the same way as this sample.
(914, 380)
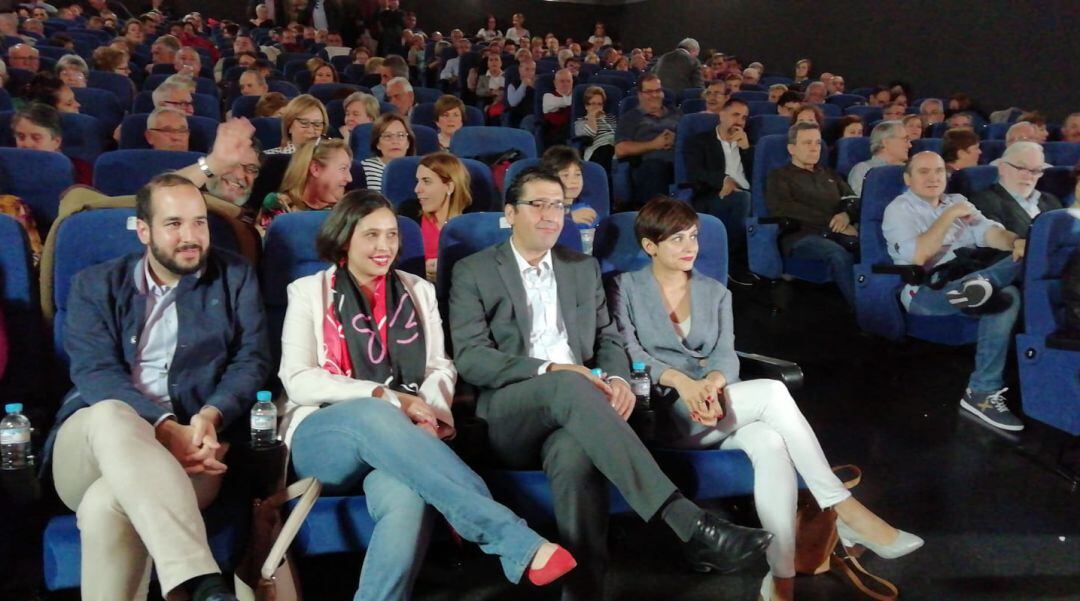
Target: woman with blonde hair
(442, 193)
(304, 119)
(314, 180)
(360, 108)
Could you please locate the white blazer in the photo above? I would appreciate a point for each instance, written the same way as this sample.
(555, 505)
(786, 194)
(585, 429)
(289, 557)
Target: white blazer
(303, 352)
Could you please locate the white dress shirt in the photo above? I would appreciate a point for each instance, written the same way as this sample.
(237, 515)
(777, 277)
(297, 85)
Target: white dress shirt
(547, 340)
(733, 166)
(157, 340)
(318, 15)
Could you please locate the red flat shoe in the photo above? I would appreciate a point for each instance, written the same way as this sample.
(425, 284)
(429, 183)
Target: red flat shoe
(556, 567)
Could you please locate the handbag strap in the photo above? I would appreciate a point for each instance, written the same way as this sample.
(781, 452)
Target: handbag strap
(851, 470)
(843, 563)
(308, 490)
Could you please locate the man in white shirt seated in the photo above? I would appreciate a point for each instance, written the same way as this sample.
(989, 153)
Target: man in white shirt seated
(927, 227)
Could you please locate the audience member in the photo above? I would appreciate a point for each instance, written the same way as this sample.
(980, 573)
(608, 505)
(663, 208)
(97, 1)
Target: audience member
(822, 206)
(452, 70)
(1070, 131)
(163, 52)
(879, 96)
(751, 76)
(167, 129)
(788, 103)
(449, 118)
(544, 406)
(599, 37)
(442, 193)
(360, 108)
(144, 432)
(271, 104)
(315, 180)
(187, 62)
(565, 162)
(556, 107)
(716, 95)
(808, 113)
(718, 167)
(889, 145)
(229, 171)
(1021, 131)
(680, 69)
(931, 111)
(894, 111)
(695, 377)
(835, 85)
(321, 71)
(815, 93)
(517, 30)
(174, 95)
(391, 67)
(598, 126)
(960, 120)
(850, 126)
(926, 227)
(72, 70)
(959, 149)
(490, 86)
(112, 60)
(399, 92)
(776, 91)
(520, 95)
(304, 119)
(1038, 120)
(1013, 201)
(489, 31)
(802, 73)
(47, 88)
(645, 136)
(252, 83)
(913, 126)
(391, 138)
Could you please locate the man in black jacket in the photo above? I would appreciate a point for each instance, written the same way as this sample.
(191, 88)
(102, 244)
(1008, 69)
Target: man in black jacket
(1013, 201)
(717, 166)
(168, 348)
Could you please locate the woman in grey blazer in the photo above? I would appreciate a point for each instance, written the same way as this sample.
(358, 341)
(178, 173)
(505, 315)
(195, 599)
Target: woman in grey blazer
(678, 322)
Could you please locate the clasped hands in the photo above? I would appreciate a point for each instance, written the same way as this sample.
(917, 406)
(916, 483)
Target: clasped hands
(617, 391)
(704, 397)
(195, 445)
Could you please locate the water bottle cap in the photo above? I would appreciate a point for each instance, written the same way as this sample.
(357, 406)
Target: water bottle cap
(263, 396)
(638, 366)
(13, 407)
(597, 371)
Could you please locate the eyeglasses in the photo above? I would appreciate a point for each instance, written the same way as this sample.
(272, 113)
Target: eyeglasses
(308, 123)
(251, 169)
(179, 103)
(653, 92)
(715, 93)
(394, 136)
(545, 206)
(170, 131)
(1037, 172)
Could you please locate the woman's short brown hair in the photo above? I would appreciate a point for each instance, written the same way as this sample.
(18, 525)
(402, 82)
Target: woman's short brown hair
(333, 239)
(447, 103)
(663, 217)
(955, 140)
(384, 122)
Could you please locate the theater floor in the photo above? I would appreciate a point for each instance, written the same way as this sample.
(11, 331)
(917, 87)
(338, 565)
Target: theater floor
(999, 523)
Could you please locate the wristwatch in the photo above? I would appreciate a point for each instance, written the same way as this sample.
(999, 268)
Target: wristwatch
(204, 167)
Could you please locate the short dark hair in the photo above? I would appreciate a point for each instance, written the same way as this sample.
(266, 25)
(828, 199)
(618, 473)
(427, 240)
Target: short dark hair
(380, 126)
(789, 96)
(143, 206)
(557, 158)
(45, 88)
(41, 115)
(793, 131)
(338, 228)
(647, 78)
(955, 140)
(532, 174)
(662, 217)
(733, 101)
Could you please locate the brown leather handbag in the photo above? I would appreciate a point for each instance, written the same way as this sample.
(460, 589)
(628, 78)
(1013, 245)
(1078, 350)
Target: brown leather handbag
(818, 548)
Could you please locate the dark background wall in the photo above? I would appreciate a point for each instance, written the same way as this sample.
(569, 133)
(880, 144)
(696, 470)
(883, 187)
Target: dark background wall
(1002, 52)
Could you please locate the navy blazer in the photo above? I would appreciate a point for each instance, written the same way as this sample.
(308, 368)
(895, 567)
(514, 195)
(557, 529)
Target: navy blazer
(650, 336)
(706, 164)
(998, 205)
(222, 353)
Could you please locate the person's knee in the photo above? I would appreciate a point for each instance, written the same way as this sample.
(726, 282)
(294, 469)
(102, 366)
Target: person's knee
(768, 448)
(569, 390)
(370, 411)
(98, 510)
(566, 460)
(109, 412)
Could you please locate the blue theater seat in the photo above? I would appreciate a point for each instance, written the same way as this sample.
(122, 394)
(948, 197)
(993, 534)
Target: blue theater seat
(102, 104)
(20, 175)
(877, 295)
(922, 144)
(473, 142)
(845, 100)
(594, 192)
(748, 96)
(1062, 154)
(991, 151)
(244, 106)
(268, 131)
(423, 95)
(1048, 382)
(761, 107)
(123, 172)
(868, 113)
(326, 92)
(692, 105)
(766, 125)
(119, 84)
(18, 300)
(851, 151)
(763, 237)
(399, 181)
(84, 136)
(689, 126)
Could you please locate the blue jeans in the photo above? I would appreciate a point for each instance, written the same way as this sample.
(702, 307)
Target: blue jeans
(733, 210)
(995, 329)
(403, 470)
(841, 263)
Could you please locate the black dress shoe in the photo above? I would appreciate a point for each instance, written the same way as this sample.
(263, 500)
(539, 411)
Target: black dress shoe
(719, 545)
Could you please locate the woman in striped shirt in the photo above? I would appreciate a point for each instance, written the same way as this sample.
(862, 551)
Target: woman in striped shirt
(391, 137)
(599, 126)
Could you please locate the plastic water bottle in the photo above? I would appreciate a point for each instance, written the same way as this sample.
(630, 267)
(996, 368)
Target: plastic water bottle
(641, 385)
(588, 234)
(15, 439)
(263, 421)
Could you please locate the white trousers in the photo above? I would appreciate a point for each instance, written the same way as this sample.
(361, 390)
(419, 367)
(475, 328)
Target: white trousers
(762, 419)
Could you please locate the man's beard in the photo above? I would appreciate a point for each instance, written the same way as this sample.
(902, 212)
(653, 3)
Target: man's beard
(218, 187)
(168, 262)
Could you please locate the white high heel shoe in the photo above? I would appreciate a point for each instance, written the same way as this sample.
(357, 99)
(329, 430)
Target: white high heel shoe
(768, 587)
(905, 542)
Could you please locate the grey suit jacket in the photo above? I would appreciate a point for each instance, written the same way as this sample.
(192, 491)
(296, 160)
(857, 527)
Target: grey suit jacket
(997, 204)
(651, 339)
(678, 70)
(490, 323)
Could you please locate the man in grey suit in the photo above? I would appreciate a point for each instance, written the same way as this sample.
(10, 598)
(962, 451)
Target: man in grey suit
(680, 69)
(528, 321)
(1013, 201)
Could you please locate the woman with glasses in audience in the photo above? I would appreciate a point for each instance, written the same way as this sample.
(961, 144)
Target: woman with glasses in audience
(598, 126)
(449, 118)
(369, 389)
(442, 193)
(678, 322)
(391, 138)
(72, 70)
(360, 108)
(315, 179)
(304, 119)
